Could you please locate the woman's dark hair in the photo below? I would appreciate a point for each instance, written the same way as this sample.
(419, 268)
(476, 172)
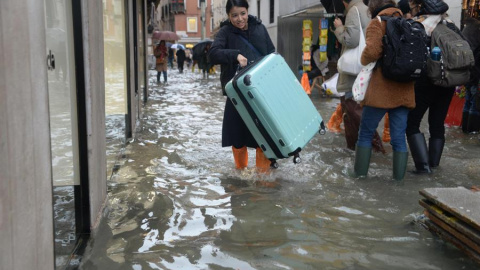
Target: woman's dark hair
(374, 6)
(236, 3)
(404, 6)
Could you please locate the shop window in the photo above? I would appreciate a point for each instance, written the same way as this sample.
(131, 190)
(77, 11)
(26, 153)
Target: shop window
(192, 25)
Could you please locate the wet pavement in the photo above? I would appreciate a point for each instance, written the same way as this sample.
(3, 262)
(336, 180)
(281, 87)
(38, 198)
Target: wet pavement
(176, 201)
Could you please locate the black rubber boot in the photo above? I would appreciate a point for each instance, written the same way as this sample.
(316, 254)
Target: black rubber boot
(419, 151)
(435, 146)
(465, 122)
(399, 165)
(362, 160)
(473, 123)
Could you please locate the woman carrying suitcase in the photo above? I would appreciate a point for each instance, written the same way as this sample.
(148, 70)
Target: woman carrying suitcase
(242, 39)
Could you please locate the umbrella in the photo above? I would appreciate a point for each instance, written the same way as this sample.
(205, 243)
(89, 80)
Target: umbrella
(177, 46)
(333, 6)
(189, 46)
(199, 48)
(165, 35)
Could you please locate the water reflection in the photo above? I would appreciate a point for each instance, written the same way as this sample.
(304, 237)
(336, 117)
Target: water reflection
(115, 79)
(178, 203)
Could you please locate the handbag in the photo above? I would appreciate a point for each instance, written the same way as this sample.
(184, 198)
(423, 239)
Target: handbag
(352, 113)
(360, 84)
(349, 62)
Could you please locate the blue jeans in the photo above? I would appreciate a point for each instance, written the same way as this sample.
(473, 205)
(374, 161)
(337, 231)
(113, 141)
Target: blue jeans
(398, 124)
(470, 100)
(164, 76)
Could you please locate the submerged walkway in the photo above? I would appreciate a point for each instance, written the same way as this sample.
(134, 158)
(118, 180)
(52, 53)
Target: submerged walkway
(177, 202)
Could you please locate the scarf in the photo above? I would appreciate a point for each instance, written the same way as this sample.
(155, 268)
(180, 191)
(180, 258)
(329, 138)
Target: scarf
(430, 22)
(163, 51)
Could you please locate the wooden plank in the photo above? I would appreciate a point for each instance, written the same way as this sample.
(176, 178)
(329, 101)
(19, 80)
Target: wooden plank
(449, 238)
(452, 221)
(459, 201)
(458, 235)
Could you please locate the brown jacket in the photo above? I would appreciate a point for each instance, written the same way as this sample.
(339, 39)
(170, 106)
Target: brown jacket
(381, 92)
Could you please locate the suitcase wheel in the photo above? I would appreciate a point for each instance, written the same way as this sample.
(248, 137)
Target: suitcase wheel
(322, 129)
(273, 164)
(296, 159)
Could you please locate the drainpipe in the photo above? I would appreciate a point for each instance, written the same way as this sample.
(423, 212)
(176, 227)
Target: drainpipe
(202, 17)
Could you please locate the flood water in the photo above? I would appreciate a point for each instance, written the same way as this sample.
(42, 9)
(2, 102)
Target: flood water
(177, 201)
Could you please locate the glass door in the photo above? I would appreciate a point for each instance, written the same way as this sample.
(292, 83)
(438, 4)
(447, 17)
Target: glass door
(116, 102)
(63, 124)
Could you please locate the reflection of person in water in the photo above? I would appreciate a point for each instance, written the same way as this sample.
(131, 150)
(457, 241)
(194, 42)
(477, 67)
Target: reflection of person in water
(257, 216)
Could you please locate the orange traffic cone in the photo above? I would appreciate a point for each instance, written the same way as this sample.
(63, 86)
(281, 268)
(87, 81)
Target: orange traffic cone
(240, 156)
(306, 83)
(336, 119)
(262, 162)
(386, 129)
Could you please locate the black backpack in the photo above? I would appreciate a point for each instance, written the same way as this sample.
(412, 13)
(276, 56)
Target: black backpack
(405, 49)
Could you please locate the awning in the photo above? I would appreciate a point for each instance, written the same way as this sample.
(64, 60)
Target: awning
(314, 11)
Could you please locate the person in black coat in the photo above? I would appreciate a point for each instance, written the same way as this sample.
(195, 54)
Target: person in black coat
(203, 62)
(180, 59)
(435, 99)
(471, 112)
(241, 39)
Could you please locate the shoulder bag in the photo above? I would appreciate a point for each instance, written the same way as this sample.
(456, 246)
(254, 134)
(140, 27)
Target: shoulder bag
(349, 62)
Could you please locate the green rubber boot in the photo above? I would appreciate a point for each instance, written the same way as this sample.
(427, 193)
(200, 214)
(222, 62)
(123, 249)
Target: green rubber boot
(362, 160)
(399, 165)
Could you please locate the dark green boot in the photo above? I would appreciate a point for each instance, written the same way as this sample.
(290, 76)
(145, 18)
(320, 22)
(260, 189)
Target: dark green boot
(399, 165)
(362, 160)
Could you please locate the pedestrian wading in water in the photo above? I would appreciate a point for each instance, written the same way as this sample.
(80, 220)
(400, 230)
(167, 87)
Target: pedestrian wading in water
(382, 96)
(435, 99)
(230, 52)
(161, 54)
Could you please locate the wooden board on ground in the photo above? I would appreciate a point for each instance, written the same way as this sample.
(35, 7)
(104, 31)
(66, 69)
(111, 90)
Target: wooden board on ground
(448, 237)
(460, 202)
(438, 215)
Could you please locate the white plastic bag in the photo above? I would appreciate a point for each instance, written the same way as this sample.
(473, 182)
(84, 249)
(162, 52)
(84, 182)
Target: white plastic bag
(349, 62)
(360, 85)
(330, 86)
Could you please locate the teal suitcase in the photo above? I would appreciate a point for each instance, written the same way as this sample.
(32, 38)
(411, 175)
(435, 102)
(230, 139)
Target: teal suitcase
(275, 108)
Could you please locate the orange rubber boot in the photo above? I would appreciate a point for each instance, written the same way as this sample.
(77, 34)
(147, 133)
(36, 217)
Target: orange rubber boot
(262, 162)
(386, 130)
(240, 156)
(335, 120)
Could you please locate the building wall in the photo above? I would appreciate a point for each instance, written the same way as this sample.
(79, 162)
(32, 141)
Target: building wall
(265, 16)
(26, 213)
(192, 9)
(92, 13)
(218, 11)
(292, 6)
(455, 10)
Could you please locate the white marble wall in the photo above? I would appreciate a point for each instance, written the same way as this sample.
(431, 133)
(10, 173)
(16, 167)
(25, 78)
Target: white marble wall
(26, 222)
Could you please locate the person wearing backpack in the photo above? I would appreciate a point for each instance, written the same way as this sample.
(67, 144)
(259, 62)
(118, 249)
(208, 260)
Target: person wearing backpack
(383, 96)
(428, 96)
